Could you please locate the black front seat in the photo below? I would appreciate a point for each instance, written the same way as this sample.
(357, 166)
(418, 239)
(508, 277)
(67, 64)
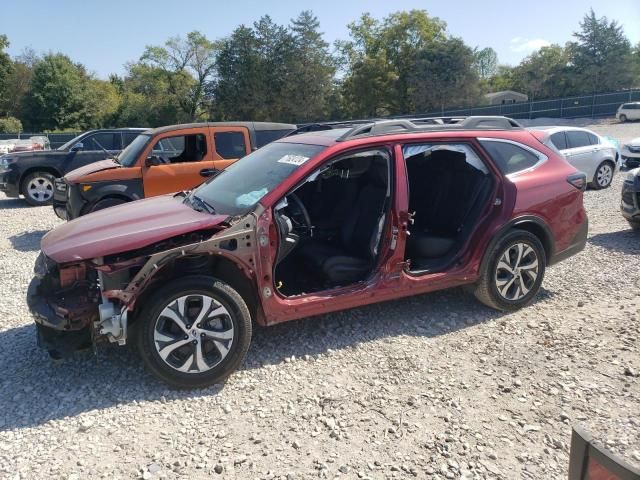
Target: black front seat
(351, 258)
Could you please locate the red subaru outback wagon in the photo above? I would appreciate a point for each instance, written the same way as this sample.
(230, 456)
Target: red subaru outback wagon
(312, 223)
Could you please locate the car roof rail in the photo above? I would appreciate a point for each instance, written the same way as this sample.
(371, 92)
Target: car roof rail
(321, 126)
(425, 124)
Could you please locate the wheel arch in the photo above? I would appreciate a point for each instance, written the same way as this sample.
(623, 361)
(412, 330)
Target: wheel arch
(219, 267)
(47, 169)
(529, 223)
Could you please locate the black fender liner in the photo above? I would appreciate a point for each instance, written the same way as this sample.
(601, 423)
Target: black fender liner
(540, 229)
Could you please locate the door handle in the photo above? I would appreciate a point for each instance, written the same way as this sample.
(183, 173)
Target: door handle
(208, 172)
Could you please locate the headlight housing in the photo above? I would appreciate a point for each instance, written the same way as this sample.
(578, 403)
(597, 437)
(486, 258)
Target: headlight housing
(631, 175)
(5, 160)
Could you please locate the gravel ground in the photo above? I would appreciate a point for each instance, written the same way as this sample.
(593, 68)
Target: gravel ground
(435, 386)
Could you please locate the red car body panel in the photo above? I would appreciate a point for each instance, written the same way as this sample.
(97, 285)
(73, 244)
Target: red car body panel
(125, 228)
(542, 193)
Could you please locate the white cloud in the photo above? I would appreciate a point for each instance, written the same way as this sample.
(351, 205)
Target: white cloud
(525, 45)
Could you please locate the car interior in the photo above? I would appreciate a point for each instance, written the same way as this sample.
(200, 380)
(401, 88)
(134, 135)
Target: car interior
(180, 149)
(331, 226)
(449, 186)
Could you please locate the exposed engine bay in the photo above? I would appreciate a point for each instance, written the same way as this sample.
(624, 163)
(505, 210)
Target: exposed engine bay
(83, 304)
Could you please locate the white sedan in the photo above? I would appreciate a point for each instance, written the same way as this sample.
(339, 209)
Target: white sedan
(590, 153)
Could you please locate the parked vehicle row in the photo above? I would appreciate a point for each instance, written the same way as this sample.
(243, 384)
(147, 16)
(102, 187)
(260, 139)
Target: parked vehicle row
(587, 151)
(33, 173)
(159, 161)
(338, 217)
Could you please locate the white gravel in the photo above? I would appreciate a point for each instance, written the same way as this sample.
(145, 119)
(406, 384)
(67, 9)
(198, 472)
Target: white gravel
(435, 386)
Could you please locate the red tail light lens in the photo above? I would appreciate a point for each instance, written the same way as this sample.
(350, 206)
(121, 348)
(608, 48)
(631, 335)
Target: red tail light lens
(578, 180)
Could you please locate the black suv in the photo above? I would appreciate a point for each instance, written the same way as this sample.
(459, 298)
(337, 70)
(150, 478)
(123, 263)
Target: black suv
(32, 174)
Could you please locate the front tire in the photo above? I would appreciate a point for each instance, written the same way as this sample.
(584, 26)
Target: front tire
(634, 225)
(106, 203)
(513, 274)
(37, 188)
(623, 118)
(603, 176)
(194, 332)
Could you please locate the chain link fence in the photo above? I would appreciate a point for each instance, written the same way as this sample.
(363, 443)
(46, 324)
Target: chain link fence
(585, 106)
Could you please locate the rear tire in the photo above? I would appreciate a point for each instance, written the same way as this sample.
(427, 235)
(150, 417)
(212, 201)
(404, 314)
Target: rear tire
(37, 188)
(603, 176)
(106, 203)
(194, 332)
(513, 273)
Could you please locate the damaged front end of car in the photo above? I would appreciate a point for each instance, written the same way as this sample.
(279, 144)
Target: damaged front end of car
(80, 305)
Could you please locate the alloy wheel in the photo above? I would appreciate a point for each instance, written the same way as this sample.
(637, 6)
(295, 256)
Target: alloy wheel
(604, 175)
(193, 333)
(40, 189)
(517, 271)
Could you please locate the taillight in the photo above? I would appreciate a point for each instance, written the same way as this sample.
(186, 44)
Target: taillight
(578, 180)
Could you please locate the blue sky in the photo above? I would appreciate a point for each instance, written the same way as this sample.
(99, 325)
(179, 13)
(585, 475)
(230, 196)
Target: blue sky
(104, 35)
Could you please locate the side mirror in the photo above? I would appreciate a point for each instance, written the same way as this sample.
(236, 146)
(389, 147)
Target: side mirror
(152, 160)
(77, 147)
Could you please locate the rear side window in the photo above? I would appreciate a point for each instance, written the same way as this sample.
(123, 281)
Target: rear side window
(98, 141)
(128, 137)
(510, 158)
(577, 139)
(181, 148)
(559, 140)
(230, 144)
(267, 136)
(593, 139)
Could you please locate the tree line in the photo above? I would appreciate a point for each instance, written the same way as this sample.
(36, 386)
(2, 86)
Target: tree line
(405, 63)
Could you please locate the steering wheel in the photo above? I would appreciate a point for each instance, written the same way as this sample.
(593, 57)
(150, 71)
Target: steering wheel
(299, 215)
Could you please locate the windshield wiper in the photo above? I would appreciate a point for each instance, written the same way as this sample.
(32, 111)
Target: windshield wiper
(199, 204)
(109, 154)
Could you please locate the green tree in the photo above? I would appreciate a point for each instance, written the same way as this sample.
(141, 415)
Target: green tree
(444, 76)
(57, 95)
(147, 99)
(6, 69)
(312, 70)
(238, 88)
(546, 73)
(18, 84)
(192, 57)
(381, 58)
(485, 62)
(601, 55)
(10, 125)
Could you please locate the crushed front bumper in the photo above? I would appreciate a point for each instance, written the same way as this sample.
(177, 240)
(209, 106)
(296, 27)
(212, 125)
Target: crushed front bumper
(64, 319)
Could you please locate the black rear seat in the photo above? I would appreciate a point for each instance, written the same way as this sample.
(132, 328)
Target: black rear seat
(443, 189)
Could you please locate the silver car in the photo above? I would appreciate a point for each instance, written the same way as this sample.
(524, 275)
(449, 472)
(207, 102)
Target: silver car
(590, 153)
(628, 111)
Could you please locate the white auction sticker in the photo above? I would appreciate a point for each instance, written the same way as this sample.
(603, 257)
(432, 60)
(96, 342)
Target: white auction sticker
(293, 159)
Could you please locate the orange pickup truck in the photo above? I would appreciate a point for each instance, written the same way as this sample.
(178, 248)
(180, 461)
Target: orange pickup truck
(160, 161)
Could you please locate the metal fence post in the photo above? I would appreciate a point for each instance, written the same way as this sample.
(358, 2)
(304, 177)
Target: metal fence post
(593, 104)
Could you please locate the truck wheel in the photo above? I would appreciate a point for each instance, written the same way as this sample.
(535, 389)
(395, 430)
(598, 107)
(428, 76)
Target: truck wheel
(106, 203)
(37, 188)
(603, 176)
(194, 332)
(514, 272)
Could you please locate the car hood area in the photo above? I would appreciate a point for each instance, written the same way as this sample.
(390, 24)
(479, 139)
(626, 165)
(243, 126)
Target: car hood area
(634, 143)
(78, 173)
(124, 228)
